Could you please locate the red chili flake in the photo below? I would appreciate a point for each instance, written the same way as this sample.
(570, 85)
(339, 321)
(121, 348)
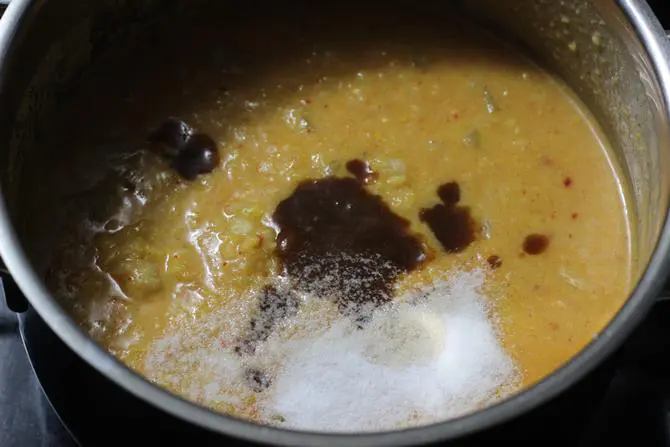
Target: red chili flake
(574, 215)
(261, 238)
(567, 181)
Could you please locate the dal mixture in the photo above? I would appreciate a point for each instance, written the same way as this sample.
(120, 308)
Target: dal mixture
(332, 230)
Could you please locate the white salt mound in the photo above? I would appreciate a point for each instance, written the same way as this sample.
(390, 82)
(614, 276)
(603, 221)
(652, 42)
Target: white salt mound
(424, 358)
(410, 336)
(414, 364)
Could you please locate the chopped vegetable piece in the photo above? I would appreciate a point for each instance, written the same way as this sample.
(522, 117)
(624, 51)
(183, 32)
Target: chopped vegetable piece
(473, 139)
(491, 105)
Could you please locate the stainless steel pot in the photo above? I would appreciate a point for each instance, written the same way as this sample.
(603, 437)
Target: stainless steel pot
(613, 53)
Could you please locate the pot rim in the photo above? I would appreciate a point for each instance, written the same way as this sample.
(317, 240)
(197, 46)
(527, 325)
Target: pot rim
(640, 301)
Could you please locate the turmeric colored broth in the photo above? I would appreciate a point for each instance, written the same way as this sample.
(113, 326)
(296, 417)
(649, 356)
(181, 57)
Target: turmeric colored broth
(287, 99)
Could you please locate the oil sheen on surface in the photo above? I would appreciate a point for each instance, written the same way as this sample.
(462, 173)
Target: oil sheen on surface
(441, 126)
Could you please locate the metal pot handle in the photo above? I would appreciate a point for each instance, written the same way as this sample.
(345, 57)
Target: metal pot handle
(10, 292)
